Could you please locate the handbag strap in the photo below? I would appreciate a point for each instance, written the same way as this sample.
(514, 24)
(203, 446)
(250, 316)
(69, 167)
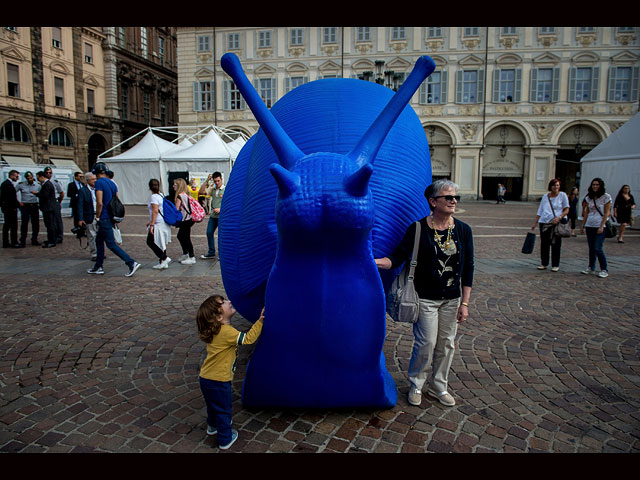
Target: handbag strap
(414, 253)
(551, 204)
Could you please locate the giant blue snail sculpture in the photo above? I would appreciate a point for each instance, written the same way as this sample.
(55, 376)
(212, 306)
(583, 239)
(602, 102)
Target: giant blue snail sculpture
(331, 180)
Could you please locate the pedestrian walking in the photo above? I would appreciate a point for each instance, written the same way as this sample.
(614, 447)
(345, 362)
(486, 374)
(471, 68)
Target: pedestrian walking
(214, 328)
(86, 213)
(623, 210)
(501, 192)
(596, 210)
(184, 230)
(106, 189)
(553, 207)
(158, 231)
(443, 280)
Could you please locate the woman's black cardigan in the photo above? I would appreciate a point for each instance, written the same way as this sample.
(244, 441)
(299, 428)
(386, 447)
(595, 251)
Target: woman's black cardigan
(427, 281)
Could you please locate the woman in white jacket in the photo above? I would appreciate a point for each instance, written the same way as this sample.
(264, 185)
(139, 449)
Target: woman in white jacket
(159, 232)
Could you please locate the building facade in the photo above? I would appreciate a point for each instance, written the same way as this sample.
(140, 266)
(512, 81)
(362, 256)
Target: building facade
(141, 72)
(61, 89)
(52, 91)
(510, 105)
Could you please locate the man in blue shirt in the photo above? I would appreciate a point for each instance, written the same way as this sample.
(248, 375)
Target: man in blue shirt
(105, 190)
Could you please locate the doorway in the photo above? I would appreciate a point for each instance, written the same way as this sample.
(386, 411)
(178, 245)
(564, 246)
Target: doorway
(512, 184)
(568, 168)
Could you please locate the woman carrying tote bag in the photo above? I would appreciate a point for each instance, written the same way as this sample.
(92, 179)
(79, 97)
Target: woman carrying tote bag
(548, 218)
(443, 280)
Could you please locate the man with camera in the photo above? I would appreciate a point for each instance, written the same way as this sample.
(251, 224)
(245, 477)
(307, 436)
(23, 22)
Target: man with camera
(86, 213)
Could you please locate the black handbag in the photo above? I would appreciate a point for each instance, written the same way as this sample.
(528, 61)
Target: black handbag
(529, 243)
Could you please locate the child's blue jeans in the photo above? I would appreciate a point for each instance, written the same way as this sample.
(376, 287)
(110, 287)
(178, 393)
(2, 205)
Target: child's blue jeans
(217, 396)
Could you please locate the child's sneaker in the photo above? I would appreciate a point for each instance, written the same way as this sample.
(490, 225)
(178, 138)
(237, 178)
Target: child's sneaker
(211, 430)
(234, 437)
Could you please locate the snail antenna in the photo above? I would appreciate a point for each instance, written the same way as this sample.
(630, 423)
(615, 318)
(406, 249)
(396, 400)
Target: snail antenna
(288, 152)
(369, 145)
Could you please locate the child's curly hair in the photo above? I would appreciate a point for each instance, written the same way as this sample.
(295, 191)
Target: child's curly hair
(208, 316)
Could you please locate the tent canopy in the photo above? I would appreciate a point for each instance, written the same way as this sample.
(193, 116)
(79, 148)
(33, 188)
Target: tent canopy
(154, 157)
(616, 160)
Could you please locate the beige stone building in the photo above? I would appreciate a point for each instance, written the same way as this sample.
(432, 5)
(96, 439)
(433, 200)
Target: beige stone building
(511, 105)
(70, 93)
(52, 94)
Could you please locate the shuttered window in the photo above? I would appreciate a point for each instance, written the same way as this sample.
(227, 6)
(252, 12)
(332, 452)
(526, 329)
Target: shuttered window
(623, 84)
(264, 39)
(13, 80)
(469, 86)
(329, 34)
(506, 85)
(202, 96)
(434, 90)
(583, 84)
(364, 34)
(231, 98)
(266, 88)
(58, 88)
(91, 102)
(296, 37)
(56, 37)
(292, 82)
(203, 43)
(544, 84)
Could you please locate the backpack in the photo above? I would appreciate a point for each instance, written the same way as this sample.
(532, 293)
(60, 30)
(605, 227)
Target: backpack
(196, 211)
(170, 213)
(115, 208)
(403, 304)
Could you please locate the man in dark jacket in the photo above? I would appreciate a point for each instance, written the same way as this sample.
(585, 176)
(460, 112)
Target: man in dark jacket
(87, 212)
(48, 206)
(9, 201)
(73, 189)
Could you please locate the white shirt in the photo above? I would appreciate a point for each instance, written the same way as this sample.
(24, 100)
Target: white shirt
(560, 202)
(156, 199)
(595, 219)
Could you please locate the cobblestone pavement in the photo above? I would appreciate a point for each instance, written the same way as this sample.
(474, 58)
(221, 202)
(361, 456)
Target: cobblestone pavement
(546, 362)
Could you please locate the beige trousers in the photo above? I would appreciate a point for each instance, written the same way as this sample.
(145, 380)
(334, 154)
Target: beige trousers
(434, 334)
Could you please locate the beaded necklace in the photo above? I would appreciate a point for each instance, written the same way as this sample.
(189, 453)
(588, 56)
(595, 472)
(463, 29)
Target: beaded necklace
(449, 246)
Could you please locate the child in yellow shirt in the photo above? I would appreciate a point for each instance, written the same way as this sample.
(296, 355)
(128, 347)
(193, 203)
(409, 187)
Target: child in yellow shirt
(214, 328)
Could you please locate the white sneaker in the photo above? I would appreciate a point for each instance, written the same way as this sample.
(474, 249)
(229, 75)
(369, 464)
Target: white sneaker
(183, 257)
(603, 274)
(588, 271)
(188, 261)
(132, 269)
(160, 265)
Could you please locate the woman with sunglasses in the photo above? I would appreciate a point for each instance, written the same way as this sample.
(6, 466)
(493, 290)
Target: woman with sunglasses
(553, 208)
(596, 208)
(443, 280)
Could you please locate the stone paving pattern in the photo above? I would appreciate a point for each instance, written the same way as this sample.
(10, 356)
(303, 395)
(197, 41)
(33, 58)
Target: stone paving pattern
(546, 362)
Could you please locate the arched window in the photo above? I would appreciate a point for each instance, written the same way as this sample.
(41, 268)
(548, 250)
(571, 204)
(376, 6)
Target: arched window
(15, 132)
(60, 137)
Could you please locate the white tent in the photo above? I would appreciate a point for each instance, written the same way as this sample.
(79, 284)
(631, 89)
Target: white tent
(153, 157)
(616, 160)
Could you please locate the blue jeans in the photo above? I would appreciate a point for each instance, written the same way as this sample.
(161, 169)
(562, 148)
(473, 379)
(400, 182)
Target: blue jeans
(105, 235)
(596, 242)
(211, 229)
(217, 396)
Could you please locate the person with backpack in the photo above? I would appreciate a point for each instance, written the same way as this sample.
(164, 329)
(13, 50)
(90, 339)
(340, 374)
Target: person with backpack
(158, 231)
(443, 280)
(106, 190)
(184, 230)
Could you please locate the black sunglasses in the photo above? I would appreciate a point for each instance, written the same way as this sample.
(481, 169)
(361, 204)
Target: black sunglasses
(449, 198)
